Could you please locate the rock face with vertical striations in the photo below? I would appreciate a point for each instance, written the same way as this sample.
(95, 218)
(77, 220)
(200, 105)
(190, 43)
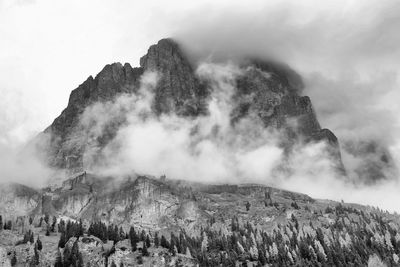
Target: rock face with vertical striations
(178, 90)
(64, 150)
(271, 91)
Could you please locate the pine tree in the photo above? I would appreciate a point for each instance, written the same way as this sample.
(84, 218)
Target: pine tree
(80, 228)
(46, 218)
(35, 259)
(156, 240)
(27, 237)
(62, 241)
(73, 257)
(204, 243)
(133, 238)
(148, 241)
(164, 242)
(58, 262)
(143, 236)
(121, 234)
(140, 259)
(14, 259)
(67, 256)
(172, 246)
(39, 244)
(31, 238)
(53, 225)
(8, 225)
(145, 252)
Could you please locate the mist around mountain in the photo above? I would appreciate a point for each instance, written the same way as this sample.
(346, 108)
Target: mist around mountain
(227, 111)
(177, 163)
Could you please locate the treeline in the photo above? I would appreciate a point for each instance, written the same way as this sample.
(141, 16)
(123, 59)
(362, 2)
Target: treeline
(50, 223)
(6, 225)
(73, 257)
(350, 237)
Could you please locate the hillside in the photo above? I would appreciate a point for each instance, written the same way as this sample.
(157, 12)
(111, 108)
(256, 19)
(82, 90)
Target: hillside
(202, 224)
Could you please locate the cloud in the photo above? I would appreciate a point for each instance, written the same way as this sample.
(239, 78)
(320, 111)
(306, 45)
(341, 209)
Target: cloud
(20, 164)
(347, 54)
(206, 148)
(346, 51)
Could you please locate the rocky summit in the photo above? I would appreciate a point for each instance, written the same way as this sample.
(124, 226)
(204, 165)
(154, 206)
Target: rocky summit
(97, 219)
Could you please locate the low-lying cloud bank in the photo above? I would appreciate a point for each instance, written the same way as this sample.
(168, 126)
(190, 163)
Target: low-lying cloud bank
(348, 54)
(210, 149)
(207, 148)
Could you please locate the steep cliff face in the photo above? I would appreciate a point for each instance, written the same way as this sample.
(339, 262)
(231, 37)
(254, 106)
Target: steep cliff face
(178, 90)
(66, 140)
(268, 90)
(145, 202)
(142, 201)
(17, 199)
(272, 91)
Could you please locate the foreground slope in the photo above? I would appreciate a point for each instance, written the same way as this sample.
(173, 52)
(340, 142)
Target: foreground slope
(201, 224)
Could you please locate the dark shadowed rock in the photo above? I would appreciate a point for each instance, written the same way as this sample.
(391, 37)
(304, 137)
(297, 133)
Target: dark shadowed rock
(113, 80)
(376, 161)
(271, 91)
(178, 89)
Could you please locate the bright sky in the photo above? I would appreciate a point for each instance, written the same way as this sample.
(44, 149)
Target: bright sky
(48, 48)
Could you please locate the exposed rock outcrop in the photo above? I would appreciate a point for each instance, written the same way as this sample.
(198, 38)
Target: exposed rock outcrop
(17, 199)
(66, 142)
(178, 90)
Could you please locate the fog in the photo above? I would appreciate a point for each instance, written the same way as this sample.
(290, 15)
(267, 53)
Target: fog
(209, 149)
(205, 149)
(348, 53)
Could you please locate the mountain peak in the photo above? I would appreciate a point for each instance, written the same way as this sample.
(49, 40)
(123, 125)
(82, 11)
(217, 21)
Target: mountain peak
(268, 90)
(161, 55)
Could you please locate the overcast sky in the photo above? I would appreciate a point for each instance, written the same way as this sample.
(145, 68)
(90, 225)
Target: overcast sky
(348, 53)
(48, 48)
